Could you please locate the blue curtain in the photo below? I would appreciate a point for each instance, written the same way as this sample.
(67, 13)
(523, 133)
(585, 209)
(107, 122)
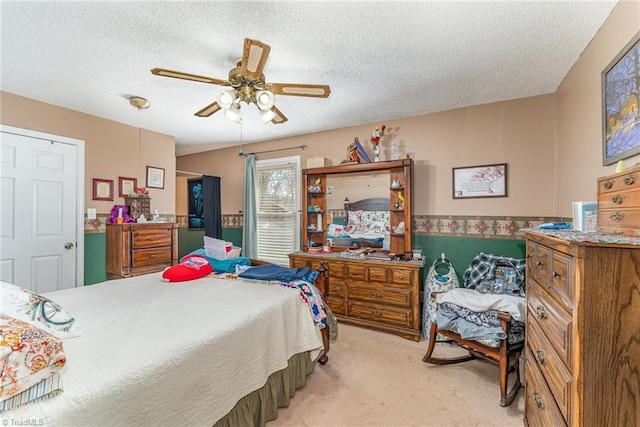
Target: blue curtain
(250, 215)
(212, 206)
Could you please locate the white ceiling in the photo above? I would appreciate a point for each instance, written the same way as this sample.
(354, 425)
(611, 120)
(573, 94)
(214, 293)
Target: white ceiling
(383, 60)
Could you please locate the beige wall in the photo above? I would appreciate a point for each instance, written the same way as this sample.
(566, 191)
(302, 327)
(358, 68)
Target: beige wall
(518, 132)
(112, 149)
(579, 111)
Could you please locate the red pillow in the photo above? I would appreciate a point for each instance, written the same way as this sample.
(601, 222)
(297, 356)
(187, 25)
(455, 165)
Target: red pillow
(191, 267)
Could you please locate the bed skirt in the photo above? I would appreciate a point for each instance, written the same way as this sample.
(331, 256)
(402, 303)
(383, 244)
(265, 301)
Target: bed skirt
(260, 406)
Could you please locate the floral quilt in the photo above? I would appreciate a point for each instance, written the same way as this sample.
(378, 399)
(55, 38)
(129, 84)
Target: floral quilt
(28, 355)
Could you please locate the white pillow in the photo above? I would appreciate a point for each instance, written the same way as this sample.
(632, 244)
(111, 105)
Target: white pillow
(37, 310)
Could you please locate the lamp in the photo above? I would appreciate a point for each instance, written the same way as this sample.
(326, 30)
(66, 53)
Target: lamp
(233, 113)
(267, 115)
(265, 100)
(226, 98)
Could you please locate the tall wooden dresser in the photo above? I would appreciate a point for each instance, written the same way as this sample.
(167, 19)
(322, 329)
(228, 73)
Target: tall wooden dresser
(583, 329)
(382, 295)
(134, 249)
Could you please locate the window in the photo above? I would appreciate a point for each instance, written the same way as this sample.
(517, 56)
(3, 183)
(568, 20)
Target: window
(278, 204)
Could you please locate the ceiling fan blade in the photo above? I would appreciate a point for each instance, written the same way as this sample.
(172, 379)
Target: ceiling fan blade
(298, 89)
(209, 110)
(279, 118)
(254, 58)
(186, 76)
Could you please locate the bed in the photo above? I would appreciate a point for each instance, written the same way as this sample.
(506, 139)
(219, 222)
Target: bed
(366, 224)
(211, 351)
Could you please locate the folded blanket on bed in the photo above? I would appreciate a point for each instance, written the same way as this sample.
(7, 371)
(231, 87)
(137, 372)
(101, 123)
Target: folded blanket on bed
(279, 273)
(28, 355)
(221, 266)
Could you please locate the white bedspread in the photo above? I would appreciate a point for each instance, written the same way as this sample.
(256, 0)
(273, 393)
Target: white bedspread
(155, 353)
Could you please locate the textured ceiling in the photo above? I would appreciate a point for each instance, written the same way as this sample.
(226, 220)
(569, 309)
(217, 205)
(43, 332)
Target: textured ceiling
(383, 60)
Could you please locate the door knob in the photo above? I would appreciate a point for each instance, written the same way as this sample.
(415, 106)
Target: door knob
(68, 245)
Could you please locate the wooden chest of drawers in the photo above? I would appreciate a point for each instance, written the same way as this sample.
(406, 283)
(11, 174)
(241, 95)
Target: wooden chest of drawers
(135, 249)
(619, 203)
(375, 294)
(583, 332)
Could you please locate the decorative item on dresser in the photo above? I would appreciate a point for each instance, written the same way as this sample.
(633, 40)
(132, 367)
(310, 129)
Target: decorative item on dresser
(583, 329)
(378, 294)
(136, 249)
(139, 205)
(619, 203)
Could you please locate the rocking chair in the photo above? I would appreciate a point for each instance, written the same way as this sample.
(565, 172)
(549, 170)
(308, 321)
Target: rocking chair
(504, 352)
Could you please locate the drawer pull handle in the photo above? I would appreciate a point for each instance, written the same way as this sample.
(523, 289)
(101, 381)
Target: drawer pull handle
(539, 263)
(376, 313)
(538, 399)
(556, 274)
(541, 357)
(608, 184)
(541, 312)
(617, 199)
(629, 179)
(616, 216)
(377, 295)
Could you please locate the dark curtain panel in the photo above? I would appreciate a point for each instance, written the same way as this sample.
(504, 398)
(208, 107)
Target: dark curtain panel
(212, 206)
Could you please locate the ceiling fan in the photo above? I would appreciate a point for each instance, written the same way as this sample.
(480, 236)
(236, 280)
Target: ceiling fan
(247, 83)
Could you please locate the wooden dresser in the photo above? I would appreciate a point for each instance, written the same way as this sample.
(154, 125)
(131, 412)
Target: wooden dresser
(583, 330)
(135, 249)
(619, 203)
(382, 295)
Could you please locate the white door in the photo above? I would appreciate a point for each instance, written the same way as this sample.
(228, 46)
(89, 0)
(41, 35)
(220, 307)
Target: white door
(39, 222)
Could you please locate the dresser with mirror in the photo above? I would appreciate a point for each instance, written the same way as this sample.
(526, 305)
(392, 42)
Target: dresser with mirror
(356, 232)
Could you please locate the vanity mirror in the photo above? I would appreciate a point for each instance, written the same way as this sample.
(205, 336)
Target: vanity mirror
(361, 205)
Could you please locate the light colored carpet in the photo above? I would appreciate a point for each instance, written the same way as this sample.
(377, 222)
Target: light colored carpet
(378, 379)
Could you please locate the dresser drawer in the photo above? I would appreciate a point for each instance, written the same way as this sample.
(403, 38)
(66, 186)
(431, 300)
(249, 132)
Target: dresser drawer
(557, 376)
(562, 279)
(378, 274)
(151, 256)
(388, 315)
(337, 269)
(618, 182)
(619, 199)
(337, 288)
(554, 322)
(151, 239)
(540, 407)
(356, 272)
(539, 263)
(401, 277)
(380, 294)
(337, 305)
(619, 221)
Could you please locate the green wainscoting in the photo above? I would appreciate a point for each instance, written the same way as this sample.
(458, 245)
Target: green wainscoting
(95, 256)
(461, 250)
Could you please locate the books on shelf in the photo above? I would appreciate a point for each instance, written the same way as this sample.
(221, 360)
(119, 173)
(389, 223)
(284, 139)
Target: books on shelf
(585, 216)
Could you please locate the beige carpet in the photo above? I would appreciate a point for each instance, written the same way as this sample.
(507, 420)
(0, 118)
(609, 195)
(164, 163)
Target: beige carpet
(379, 379)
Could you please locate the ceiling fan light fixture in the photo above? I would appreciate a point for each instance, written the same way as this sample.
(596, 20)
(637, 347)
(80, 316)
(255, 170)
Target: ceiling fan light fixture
(233, 113)
(267, 115)
(265, 100)
(226, 98)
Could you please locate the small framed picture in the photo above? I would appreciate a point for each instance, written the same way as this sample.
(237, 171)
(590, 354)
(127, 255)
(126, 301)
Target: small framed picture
(155, 177)
(480, 181)
(126, 186)
(102, 189)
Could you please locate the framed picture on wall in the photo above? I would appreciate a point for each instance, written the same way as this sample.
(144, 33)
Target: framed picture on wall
(620, 114)
(102, 189)
(196, 203)
(480, 181)
(126, 186)
(155, 177)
